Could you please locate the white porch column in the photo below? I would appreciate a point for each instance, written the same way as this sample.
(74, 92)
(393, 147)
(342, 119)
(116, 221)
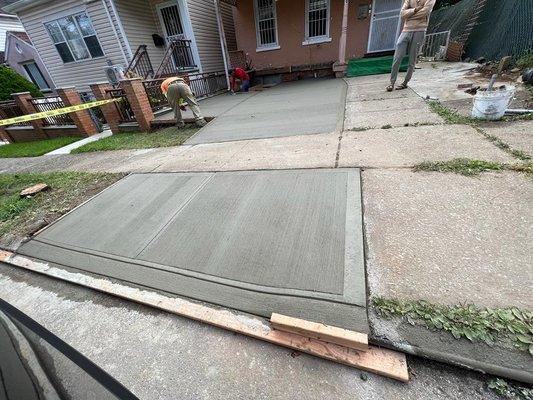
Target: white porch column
(223, 43)
(340, 65)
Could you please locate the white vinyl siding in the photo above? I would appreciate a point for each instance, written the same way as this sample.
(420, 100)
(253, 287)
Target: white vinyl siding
(8, 24)
(139, 21)
(317, 15)
(81, 73)
(205, 29)
(266, 24)
(229, 26)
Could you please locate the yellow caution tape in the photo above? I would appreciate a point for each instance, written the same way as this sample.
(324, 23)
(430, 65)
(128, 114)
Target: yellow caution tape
(53, 113)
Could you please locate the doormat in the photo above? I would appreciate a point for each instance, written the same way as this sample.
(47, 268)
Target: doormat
(373, 66)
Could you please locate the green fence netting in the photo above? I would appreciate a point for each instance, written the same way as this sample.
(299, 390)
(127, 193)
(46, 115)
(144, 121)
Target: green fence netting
(373, 66)
(504, 27)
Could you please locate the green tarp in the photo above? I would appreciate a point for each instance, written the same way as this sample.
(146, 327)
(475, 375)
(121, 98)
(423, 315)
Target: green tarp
(373, 66)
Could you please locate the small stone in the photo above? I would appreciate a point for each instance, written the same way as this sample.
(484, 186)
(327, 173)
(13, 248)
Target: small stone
(515, 70)
(364, 376)
(504, 64)
(33, 190)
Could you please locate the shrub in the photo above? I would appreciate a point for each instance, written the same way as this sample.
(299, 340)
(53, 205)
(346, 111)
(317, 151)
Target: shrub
(526, 61)
(11, 82)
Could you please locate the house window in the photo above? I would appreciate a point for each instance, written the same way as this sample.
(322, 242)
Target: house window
(266, 24)
(75, 38)
(317, 20)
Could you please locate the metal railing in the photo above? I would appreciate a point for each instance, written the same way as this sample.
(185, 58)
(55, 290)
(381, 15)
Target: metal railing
(177, 59)
(96, 114)
(123, 106)
(202, 85)
(140, 64)
(42, 104)
(10, 109)
(436, 45)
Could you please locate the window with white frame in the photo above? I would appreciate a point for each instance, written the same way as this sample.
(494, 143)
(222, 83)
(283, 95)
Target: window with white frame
(266, 24)
(317, 20)
(74, 38)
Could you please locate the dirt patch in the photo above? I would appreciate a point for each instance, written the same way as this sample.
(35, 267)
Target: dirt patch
(20, 217)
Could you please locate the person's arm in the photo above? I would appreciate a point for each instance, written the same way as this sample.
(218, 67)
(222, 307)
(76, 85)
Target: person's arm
(423, 12)
(406, 11)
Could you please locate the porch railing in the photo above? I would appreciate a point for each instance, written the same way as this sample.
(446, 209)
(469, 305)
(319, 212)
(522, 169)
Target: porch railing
(140, 65)
(177, 59)
(123, 106)
(202, 85)
(42, 104)
(10, 109)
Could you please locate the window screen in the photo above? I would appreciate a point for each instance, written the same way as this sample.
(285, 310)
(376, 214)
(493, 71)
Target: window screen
(74, 38)
(266, 23)
(317, 18)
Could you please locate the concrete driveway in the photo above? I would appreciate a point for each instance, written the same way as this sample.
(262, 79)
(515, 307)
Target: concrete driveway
(296, 108)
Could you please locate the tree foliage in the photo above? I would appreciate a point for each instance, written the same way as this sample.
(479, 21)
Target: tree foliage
(11, 82)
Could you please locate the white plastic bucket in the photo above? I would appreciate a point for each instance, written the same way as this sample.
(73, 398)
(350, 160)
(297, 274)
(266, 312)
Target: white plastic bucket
(492, 105)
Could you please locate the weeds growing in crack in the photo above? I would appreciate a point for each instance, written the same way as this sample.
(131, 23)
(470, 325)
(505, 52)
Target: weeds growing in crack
(464, 321)
(461, 166)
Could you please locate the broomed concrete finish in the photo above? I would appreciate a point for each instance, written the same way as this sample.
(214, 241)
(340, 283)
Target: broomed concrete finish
(162, 356)
(369, 105)
(448, 238)
(518, 135)
(296, 108)
(408, 146)
(262, 242)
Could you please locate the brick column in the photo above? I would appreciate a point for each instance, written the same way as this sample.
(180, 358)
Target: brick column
(28, 108)
(4, 135)
(139, 102)
(82, 119)
(110, 111)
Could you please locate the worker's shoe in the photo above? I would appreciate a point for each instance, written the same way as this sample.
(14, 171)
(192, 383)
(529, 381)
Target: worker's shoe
(201, 122)
(180, 125)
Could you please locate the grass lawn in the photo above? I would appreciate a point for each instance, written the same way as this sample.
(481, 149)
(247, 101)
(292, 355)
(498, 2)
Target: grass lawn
(20, 217)
(35, 148)
(167, 137)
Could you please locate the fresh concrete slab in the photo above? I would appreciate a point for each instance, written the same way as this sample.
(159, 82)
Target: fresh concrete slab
(296, 108)
(518, 135)
(211, 106)
(158, 355)
(408, 146)
(448, 238)
(68, 148)
(267, 241)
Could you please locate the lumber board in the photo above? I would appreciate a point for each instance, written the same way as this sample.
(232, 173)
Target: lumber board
(378, 360)
(323, 332)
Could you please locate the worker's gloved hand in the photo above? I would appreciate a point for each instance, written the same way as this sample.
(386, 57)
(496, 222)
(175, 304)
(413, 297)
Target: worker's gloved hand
(183, 108)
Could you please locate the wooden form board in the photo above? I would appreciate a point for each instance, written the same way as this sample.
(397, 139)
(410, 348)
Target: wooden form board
(316, 330)
(381, 361)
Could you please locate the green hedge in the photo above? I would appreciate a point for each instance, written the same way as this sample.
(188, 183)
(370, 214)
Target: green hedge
(11, 82)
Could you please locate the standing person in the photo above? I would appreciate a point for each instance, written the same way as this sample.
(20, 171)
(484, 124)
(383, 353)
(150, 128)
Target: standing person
(415, 16)
(176, 89)
(240, 74)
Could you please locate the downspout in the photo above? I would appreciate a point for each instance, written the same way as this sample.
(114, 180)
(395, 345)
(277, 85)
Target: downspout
(340, 66)
(223, 43)
(115, 32)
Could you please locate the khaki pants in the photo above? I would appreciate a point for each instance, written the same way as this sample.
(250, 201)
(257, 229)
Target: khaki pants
(408, 44)
(181, 90)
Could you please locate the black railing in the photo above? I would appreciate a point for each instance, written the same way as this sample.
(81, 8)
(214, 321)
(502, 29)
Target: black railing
(202, 85)
(177, 59)
(156, 97)
(140, 65)
(42, 104)
(123, 105)
(10, 109)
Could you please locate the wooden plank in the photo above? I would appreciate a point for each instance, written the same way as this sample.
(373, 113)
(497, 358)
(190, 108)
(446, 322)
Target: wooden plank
(381, 361)
(33, 190)
(315, 330)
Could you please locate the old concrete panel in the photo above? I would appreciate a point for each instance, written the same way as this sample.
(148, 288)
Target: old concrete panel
(258, 241)
(297, 108)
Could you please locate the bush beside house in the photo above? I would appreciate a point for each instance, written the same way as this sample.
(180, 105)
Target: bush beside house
(11, 82)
